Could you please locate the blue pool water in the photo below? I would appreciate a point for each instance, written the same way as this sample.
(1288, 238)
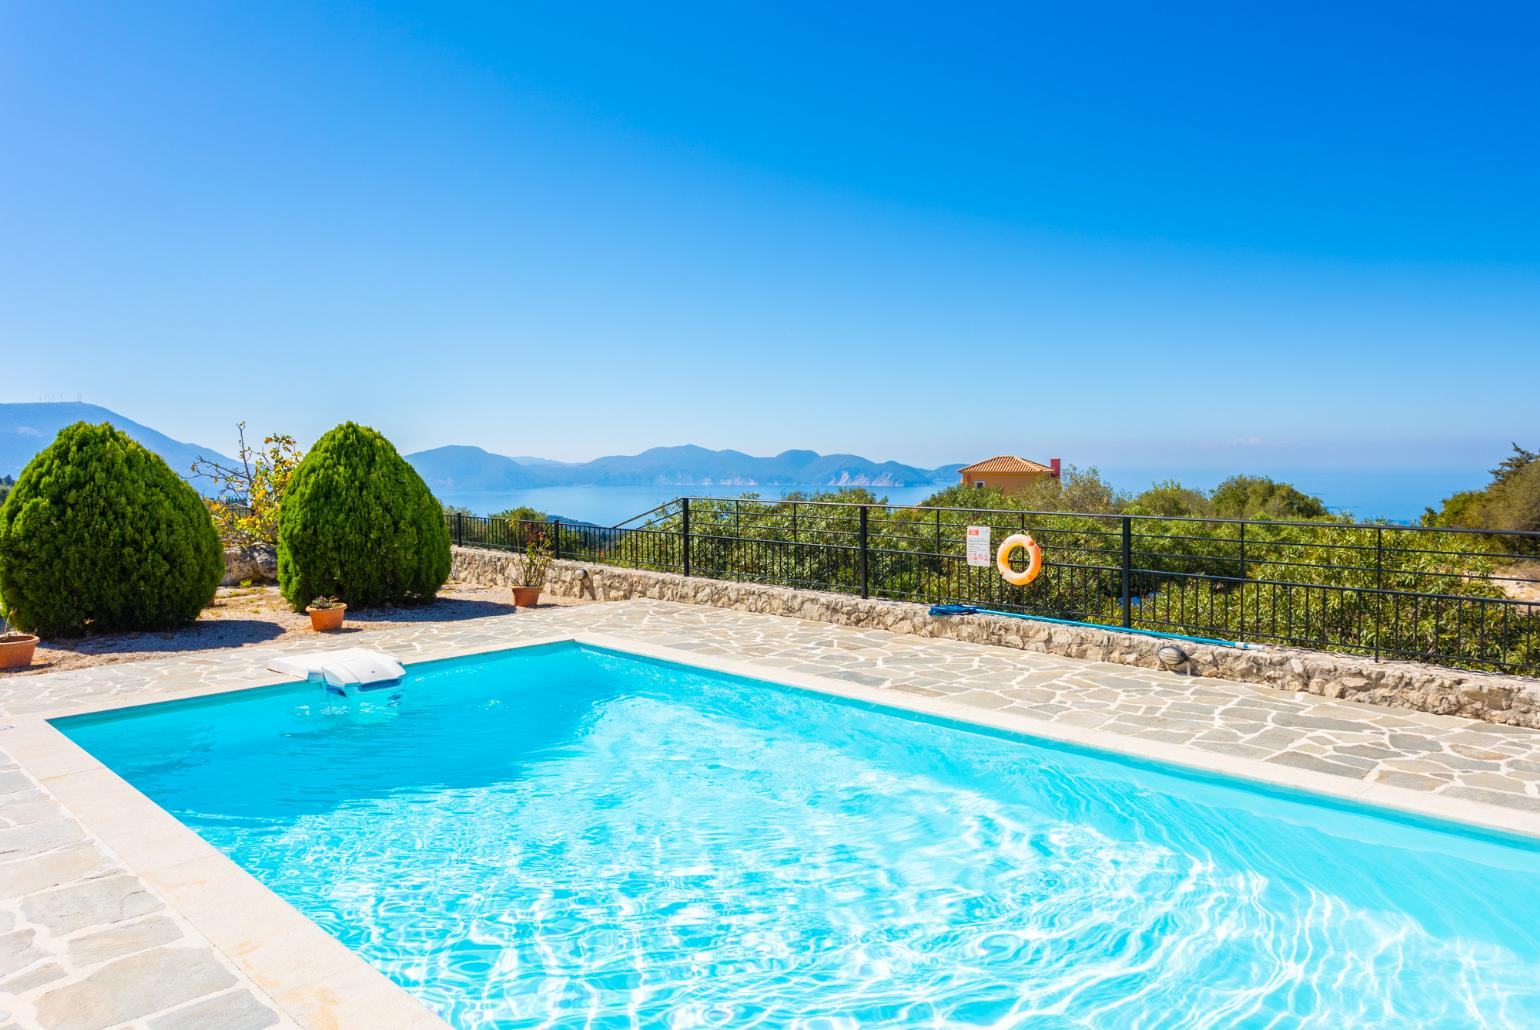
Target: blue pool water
(567, 836)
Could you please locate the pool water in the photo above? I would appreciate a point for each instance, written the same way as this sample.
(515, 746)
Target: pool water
(567, 836)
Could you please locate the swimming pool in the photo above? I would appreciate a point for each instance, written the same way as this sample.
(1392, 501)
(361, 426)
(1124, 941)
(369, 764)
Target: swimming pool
(566, 835)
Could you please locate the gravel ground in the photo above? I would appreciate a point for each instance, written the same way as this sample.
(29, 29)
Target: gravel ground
(241, 616)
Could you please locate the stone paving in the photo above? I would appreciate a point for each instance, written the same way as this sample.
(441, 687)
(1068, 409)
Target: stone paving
(85, 944)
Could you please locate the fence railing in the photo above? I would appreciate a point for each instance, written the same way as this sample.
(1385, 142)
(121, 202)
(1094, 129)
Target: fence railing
(1467, 598)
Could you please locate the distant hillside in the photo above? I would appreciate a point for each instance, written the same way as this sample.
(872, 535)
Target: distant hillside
(26, 429)
(459, 467)
(527, 459)
(471, 468)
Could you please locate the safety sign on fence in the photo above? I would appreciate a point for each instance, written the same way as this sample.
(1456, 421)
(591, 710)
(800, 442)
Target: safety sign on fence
(978, 546)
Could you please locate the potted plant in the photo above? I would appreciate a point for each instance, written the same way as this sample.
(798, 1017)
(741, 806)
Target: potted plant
(15, 648)
(326, 613)
(537, 562)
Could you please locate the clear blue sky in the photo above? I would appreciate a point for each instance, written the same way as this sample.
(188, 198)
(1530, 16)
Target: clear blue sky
(1142, 234)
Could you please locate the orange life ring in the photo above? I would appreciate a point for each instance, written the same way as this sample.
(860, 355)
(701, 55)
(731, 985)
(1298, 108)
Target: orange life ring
(1034, 559)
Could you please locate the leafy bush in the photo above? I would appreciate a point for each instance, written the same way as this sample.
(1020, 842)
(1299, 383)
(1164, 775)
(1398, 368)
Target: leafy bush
(358, 522)
(99, 534)
(1257, 497)
(537, 558)
(1511, 501)
(1515, 502)
(1508, 503)
(1170, 498)
(522, 513)
(251, 492)
(839, 495)
(1462, 510)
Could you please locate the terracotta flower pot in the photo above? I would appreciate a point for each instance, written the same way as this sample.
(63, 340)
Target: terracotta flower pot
(526, 597)
(324, 620)
(16, 650)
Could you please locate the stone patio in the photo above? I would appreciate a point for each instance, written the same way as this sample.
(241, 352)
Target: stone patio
(101, 927)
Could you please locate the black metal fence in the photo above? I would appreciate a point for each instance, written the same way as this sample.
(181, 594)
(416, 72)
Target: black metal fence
(1468, 598)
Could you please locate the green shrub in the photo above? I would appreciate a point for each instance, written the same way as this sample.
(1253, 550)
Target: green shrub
(522, 513)
(359, 523)
(99, 534)
(1170, 498)
(1515, 502)
(1511, 501)
(1257, 497)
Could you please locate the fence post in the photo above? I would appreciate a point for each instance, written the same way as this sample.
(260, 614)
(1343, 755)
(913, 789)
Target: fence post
(685, 526)
(864, 591)
(460, 528)
(1242, 631)
(1379, 587)
(556, 534)
(1128, 561)
(939, 573)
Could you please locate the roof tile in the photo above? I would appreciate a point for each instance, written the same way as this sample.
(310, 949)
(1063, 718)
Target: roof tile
(1006, 463)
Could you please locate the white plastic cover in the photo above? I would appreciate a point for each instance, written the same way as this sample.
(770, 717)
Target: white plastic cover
(353, 666)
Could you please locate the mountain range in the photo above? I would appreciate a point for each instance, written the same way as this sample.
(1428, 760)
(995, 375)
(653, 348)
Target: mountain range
(464, 468)
(26, 428)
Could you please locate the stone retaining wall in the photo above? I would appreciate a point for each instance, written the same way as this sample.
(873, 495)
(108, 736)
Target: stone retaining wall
(1512, 700)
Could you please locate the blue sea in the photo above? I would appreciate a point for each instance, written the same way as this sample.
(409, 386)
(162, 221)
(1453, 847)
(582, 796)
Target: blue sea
(1399, 495)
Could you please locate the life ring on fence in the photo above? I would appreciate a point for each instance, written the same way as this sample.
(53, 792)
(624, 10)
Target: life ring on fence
(1008, 547)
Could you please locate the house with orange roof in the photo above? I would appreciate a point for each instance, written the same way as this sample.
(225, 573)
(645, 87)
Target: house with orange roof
(1008, 473)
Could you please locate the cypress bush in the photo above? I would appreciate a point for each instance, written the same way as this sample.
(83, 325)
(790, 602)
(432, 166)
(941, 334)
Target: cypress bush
(99, 535)
(358, 523)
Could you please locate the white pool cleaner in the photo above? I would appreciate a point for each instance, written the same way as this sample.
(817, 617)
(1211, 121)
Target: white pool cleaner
(353, 670)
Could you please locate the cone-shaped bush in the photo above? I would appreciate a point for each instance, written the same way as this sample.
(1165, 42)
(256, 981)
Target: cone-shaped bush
(99, 534)
(358, 523)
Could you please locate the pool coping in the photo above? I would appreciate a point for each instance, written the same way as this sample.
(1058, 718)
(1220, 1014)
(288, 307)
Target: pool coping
(318, 982)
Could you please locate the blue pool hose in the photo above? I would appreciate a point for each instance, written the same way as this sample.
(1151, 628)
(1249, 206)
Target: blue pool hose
(968, 609)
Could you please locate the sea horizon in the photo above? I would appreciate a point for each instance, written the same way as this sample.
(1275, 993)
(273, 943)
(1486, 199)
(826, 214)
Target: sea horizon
(1394, 495)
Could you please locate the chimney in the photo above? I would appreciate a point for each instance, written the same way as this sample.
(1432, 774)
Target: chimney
(1056, 466)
